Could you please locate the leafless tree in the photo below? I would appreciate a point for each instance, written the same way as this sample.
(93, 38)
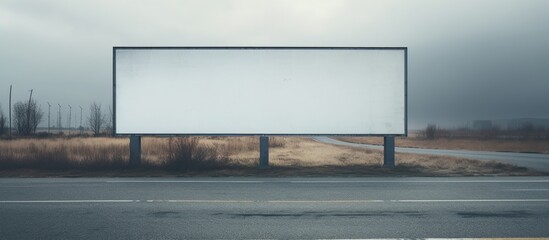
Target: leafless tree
(431, 131)
(27, 116)
(96, 118)
(2, 123)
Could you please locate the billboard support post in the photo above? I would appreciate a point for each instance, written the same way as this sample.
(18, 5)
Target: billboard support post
(389, 151)
(263, 152)
(135, 150)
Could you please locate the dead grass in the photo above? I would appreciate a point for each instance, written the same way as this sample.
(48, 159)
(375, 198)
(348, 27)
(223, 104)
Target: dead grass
(539, 146)
(88, 153)
(189, 155)
(223, 156)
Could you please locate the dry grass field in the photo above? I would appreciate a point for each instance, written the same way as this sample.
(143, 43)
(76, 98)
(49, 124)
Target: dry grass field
(540, 146)
(222, 156)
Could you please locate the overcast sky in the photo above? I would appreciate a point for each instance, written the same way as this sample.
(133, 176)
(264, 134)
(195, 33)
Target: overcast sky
(467, 59)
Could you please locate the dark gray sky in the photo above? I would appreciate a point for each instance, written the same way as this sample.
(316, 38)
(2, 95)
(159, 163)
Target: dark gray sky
(467, 59)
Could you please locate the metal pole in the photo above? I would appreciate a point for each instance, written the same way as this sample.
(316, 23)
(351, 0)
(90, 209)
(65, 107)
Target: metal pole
(10, 111)
(135, 150)
(28, 125)
(49, 110)
(263, 152)
(59, 118)
(389, 151)
(34, 117)
(70, 115)
(80, 127)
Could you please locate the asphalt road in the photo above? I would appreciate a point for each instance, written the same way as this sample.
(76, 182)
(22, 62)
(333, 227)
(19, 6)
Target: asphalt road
(535, 161)
(175, 208)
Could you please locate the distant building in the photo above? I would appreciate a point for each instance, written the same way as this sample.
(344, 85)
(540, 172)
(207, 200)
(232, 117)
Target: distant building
(527, 123)
(523, 123)
(482, 124)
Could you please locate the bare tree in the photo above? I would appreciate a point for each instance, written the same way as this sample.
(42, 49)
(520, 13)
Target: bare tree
(27, 116)
(2, 122)
(96, 118)
(431, 131)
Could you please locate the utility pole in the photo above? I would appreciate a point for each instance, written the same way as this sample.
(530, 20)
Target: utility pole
(70, 115)
(80, 120)
(49, 109)
(10, 111)
(34, 117)
(29, 114)
(59, 118)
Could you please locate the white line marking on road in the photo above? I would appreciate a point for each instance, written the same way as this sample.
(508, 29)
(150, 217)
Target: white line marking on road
(427, 181)
(535, 238)
(70, 201)
(324, 201)
(529, 189)
(181, 181)
(471, 200)
(210, 201)
(405, 201)
(279, 201)
(333, 181)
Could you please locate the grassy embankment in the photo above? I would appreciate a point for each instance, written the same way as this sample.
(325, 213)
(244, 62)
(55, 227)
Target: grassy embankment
(537, 146)
(222, 156)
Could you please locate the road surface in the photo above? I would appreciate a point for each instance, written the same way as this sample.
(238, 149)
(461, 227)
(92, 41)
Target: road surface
(175, 208)
(534, 161)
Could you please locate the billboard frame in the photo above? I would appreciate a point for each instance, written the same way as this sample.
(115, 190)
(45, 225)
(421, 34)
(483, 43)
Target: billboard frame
(115, 48)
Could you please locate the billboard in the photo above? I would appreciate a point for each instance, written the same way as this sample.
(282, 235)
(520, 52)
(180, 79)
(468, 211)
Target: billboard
(260, 91)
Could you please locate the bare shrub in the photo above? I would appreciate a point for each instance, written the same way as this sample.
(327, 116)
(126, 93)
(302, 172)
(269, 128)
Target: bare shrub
(3, 128)
(27, 116)
(430, 131)
(96, 119)
(187, 153)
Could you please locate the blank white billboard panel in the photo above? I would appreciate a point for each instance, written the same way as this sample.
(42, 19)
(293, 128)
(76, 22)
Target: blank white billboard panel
(305, 91)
